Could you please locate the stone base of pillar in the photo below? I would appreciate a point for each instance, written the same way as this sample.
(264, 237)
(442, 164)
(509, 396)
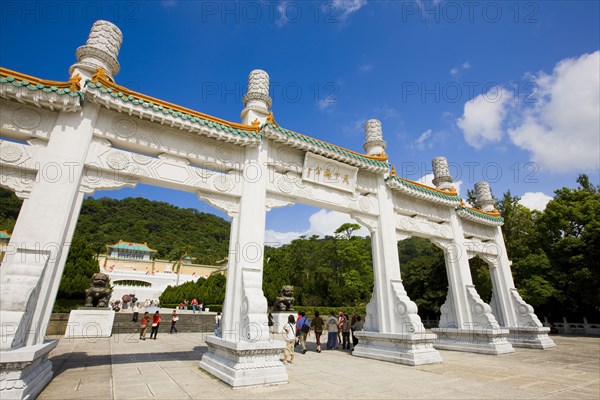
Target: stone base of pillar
(280, 318)
(484, 341)
(90, 323)
(245, 363)
(531, 337)
(26, 371)
(408, 349)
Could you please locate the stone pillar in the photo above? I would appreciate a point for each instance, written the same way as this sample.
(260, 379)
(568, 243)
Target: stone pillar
(393, 330)
(31, 273)
(466, 323)
(442, 178)
(245, 354)
(256, 101)
(374, 143)
(525, 328)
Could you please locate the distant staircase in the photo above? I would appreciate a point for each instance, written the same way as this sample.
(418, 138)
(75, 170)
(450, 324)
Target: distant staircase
(187, 323)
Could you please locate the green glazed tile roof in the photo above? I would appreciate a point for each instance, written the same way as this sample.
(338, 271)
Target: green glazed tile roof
(33, 87)
(478, 214)
(169, 111)
(330, 147)
(4, 235)
(132, 247)
(423, 189)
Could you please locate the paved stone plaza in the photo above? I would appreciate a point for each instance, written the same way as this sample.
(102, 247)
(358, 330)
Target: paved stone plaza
(121, 367)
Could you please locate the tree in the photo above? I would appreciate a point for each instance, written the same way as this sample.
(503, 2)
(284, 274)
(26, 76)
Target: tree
(81, 264)
(345, 230)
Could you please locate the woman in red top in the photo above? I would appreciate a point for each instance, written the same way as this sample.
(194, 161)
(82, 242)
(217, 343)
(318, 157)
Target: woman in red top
(155, 325)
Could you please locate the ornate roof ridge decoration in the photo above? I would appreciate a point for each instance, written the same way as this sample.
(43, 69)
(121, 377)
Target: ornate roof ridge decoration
(102, 83)
(376, 163)
(480, 216)
(422, 191)
(32, 83)
(131, 246)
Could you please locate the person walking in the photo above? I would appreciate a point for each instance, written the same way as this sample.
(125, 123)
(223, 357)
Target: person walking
(144, 325)
(345, 333)
(339, 326)
(174, 319)
(200, 307)
(289, 335)
(332, 330)
(194, 305)
(155, 325)
(136, 313)
(271, 324)
(317, 324)
(303, 326)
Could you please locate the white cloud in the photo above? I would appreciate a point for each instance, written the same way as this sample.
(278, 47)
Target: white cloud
(325, 104)
(345, 8)
(365, 68)
(322, 223)
(466, 65)
(561, 130)
(427, 180)
(535, 200)
(454, 71)
(482, 118)
(422, 139)
(457, 70)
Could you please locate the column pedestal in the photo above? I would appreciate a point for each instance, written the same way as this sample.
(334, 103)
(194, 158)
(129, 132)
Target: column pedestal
(244, 363)
(531, 337)
(407, 349)
(26, 371)
(484, 341)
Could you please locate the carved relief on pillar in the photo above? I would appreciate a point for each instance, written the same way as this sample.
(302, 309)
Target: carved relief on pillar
(99, 180)
(275, 201)
(253, 311)
(481, 312)
(448, 315)
(368, 221)
(18, 180)
(407, 320)
(525, 314)
(227, 204)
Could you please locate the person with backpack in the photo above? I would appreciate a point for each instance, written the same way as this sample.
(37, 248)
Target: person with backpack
(332, 331)
(303, 325)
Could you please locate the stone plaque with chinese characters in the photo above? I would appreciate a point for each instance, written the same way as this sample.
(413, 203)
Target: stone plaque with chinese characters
(327, 172)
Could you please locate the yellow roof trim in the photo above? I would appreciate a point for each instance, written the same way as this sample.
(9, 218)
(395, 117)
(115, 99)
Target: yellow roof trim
(446, 192)
(72, 84)
(101, 77)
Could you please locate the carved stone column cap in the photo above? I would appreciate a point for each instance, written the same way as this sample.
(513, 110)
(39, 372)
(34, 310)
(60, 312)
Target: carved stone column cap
(442, 178)
(374, 143)
(258, 89)
(485, 200)
(101, 48)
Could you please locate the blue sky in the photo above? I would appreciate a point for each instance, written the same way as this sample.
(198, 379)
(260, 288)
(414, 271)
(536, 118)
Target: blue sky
(507, 91)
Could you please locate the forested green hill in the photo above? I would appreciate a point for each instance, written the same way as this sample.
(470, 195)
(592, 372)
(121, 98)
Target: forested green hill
(170, 230)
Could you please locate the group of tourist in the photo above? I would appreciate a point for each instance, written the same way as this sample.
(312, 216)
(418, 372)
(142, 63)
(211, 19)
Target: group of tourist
(184, 305)
(156, 320)
(339, 328)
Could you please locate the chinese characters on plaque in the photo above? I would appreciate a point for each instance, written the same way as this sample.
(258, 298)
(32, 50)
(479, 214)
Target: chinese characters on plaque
(327, 172)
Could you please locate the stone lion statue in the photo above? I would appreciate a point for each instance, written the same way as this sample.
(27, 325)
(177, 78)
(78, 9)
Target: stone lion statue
(285, 302)
(98, 294)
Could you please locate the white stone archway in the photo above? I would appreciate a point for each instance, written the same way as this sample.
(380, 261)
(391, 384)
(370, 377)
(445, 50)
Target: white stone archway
(66, 139)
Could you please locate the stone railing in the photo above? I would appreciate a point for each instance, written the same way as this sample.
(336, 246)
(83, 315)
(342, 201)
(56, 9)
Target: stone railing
(575, 328)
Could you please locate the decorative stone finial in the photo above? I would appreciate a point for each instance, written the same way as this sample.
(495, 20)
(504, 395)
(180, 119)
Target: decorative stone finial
(442, 178)
(101, 49)
(483, 193)
(374, 143)
(257, 98)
